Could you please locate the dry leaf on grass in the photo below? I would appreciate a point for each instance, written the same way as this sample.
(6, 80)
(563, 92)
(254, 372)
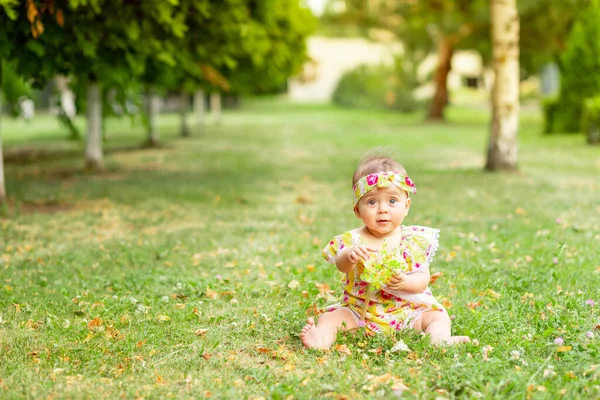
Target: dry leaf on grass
(343, 349)
(95, 323)
(435, 276)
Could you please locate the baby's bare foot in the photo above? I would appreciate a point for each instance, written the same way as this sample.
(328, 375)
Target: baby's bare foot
(311, 337)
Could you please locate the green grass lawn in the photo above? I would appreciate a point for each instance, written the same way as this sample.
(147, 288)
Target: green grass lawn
(188, 271)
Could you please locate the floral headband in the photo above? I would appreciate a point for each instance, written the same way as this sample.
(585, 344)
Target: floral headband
(382, 179)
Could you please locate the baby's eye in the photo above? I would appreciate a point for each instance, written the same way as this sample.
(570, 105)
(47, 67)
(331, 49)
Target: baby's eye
(371, 202)
(393, 201)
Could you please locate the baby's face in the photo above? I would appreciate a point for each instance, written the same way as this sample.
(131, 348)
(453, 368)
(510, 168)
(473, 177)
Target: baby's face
(383, 209)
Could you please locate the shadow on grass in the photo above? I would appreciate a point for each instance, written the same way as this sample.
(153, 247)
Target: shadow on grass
(14, 207)
(31, 155)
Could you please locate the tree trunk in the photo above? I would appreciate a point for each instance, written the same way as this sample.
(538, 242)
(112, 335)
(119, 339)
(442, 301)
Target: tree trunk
(2, 185)
(93, 145)
(199, 108)
(152, 110)
(183, 111)
(502, 148)
(66, 106)
(215, 107)
(440, 98)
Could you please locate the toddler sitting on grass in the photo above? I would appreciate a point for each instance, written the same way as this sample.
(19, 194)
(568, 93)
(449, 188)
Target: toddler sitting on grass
(386, 264)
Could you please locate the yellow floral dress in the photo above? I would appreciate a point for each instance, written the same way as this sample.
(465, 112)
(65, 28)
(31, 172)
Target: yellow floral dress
(388, 310)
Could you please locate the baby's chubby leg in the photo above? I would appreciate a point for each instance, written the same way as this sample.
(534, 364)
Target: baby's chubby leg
(438, 326)
(322, 335)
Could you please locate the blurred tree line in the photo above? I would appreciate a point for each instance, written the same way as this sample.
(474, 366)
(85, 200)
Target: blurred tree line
(112, 51)
(560, 32)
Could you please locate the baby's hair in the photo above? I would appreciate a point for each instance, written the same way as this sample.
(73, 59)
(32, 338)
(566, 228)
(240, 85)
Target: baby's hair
(375, 160)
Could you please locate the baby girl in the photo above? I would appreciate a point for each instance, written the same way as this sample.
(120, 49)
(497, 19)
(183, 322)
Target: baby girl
(382, 200)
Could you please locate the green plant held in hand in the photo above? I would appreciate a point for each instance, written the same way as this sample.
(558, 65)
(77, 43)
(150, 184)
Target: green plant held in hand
(382, 265)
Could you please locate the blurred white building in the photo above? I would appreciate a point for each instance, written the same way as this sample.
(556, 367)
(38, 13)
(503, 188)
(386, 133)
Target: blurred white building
(331, 57)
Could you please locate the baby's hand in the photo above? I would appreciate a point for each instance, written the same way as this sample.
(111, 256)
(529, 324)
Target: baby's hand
(397, 282)
(359, 253)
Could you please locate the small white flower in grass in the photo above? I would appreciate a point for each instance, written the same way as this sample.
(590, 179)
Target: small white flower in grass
(486, 351)
(555, 260)
(133, 300)
(399, 346)
(165, 299)
(140, 309)
(476, 239)
(515, 354)
(475, 342)
(559, 341)
(293, 284)
(219, 277)
(589, 335)
(549, 372)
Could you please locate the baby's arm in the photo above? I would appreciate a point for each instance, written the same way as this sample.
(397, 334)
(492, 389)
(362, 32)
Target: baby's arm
(414, 283)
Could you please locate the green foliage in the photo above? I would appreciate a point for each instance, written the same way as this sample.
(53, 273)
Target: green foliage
(84, 39)
(580, 64)
(544, 28)
(13, 87)
(8, 7)
(590, 121)
(273, 46)
(376, 87)
(551, 108)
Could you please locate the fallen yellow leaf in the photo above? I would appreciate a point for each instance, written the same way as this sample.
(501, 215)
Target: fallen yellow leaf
(159, 379)
(323, 288)
(96, 322)
(435, 276)
(200, 332)
(343, 349)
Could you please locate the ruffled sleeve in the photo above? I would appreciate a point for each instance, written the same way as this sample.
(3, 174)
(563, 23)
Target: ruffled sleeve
(419, 246)
(335, 245)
